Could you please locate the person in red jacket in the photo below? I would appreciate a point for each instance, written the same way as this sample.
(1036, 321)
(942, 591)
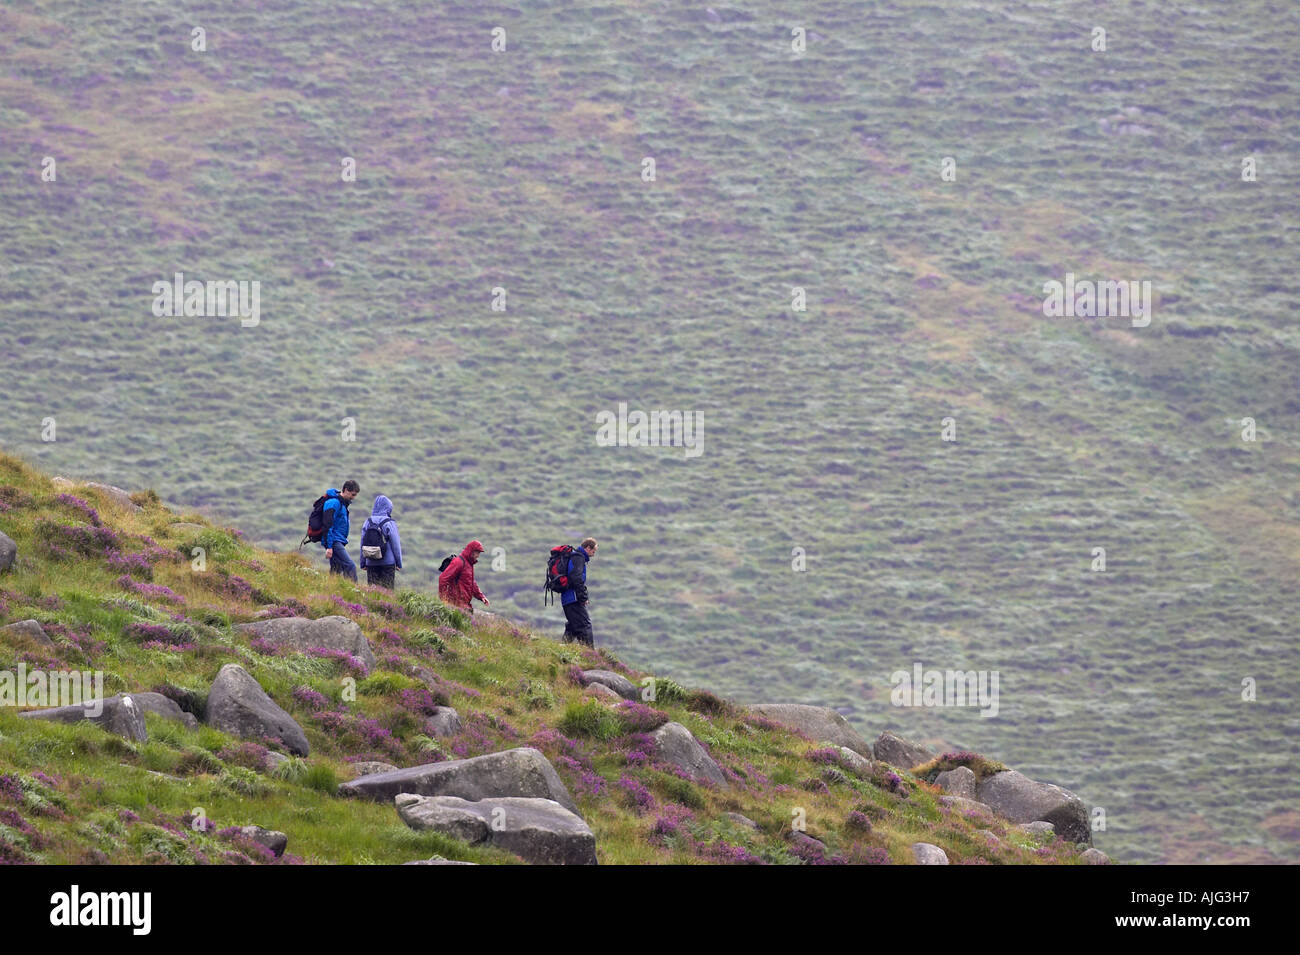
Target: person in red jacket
(456, 584)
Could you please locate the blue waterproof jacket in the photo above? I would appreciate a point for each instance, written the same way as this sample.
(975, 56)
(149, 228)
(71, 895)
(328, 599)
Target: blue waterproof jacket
(335, 513)
(577, 589)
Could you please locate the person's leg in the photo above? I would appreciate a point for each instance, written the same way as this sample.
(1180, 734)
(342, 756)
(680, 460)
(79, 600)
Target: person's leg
(582, 625)
(569, 631)
(388, 577)
(341, 563)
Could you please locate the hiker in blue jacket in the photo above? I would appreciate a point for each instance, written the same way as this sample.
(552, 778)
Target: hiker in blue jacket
(381, 545)
(335, 538)
(577, 621)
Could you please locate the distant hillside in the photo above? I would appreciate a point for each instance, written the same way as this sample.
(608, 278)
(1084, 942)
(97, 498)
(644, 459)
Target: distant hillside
(522, 171)
(106, 583)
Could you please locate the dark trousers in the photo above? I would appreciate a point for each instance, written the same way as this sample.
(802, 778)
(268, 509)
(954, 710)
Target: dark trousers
(577, 624)
(385, 577)
(341, 563)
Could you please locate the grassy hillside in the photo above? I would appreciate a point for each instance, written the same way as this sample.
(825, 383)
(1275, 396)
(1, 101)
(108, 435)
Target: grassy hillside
(521, 170)
(118, 593)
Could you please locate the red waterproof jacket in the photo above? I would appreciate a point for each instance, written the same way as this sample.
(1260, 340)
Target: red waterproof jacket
(456, 584)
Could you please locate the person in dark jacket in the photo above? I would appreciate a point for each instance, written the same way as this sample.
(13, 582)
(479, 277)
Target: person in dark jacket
(381, 571)
(335, 538)
(577, 621)
(456, 584)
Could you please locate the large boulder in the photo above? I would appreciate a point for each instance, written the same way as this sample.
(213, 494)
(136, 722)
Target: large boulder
(957, 782)
(164, 706)
(301, 633)
(615, 681)
(238, 705)
(8, 552)
(1020, 799)
(899, 752)
(444, 722)
(926, 853)
(673, 743)
(540, 831)
(29, 630)
(816, 722)
(522, 772)
(273, 840)
(117, 714)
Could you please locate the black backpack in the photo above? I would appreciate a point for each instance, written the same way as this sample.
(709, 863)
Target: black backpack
(446, 561)
(374, 537)
(315, 523)
(557, 572)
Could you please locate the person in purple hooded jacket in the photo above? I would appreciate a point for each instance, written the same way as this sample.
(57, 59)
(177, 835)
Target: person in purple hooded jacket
(381, 545)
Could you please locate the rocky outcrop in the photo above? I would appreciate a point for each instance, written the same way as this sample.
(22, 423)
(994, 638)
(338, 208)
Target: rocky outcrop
(1020, 799)
(277, 842)
(28, 630)
(736, 819)
(117, 714)
(8, 552)
(899, 752)
(238, 705)
(371, 766)
(957, 782)
(816, 722)
(301, 633)
(601, 691)
(1094, 857)
(540, 831)
(522, 772)
(444, 722)
(614, 681)
(927, 854)
(855, 763)
(165, 707)
(115, 494)
(673, 743)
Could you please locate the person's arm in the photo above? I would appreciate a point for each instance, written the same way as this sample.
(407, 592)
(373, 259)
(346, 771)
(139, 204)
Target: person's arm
(478, 593)
(395, 542)
(329, 516)
(579, 582)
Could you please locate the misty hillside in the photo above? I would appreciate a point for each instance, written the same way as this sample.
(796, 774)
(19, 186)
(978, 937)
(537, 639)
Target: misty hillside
(522, 170)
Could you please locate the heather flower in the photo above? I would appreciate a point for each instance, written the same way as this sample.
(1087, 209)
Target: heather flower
(168, 647)
(639, 718)
(310, 698)
(828, 755)
(247, 754)
(155, 591)
(127, 816)
(264, 646)
(671, 818)
(10, 789)
(420, 701)
(142, 632)
(636, 795)
(81, 507)
(350, 607)
(349, 662)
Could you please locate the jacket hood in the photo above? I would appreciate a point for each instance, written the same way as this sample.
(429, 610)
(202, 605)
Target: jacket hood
(471, 551)
(382, 510)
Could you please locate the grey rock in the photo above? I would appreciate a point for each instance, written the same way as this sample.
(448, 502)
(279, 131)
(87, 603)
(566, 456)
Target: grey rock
(444, 722)
(116, 714)
(372, 766)
(8, 552)
(739, 820)
(29, 629)
(1039, 828)
(522, 772)
(165, 707)
(275, 760)
(601, 690)
(957, 782)
(1021, 799)
(238, 705)
(438, 861)
(897, 751)
(816, 722)
(833, 776)
(615, 681)
(301, 633)
(115, 494)
(1094, 857)
(673, 743)
(854, 762)
(926, 854)
(964, 805)
(540, 831)
(277, 842)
